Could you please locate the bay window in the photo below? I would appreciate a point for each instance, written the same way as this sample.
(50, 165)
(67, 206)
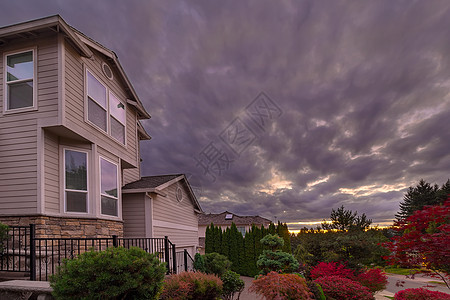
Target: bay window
(75, 183)
(20, 80)
(109, 188)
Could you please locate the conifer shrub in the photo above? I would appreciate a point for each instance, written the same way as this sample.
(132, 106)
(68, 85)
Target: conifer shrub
(216, 264)
(420, 294)
(275, 286)
(275, 259)
(232, 284)
(191, 286)
(115, 273)
(199, 263)
(340, 288)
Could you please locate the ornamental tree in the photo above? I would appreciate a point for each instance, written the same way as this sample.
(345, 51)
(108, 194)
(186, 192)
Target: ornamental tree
(425, 241)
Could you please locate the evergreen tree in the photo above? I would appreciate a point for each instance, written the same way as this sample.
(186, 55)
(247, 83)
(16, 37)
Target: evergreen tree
(272, 229)
(209, 239)
(241, 253)
(283, 232)
(225, 249)
(250, 257)
(217, 239)
(417, 197)
(234, 248)
(258, 237)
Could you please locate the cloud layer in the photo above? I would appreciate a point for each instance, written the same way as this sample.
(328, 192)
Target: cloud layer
(362, 88)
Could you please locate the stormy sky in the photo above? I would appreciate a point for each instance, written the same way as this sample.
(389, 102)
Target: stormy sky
(284, 109)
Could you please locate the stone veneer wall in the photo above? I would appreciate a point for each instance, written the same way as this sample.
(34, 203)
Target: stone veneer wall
(60, 227)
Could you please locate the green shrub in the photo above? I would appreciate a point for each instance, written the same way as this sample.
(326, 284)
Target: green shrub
(316, 290)
(191, 285)
(116, 273)
(199, 263)
(216, 264)
(232, 283)
(275, 259)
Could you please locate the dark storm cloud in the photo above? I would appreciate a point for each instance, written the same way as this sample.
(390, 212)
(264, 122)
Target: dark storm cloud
(363, 88)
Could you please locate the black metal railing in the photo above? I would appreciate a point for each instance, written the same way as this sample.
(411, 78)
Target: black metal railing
(15, 249)
(40, 257)
(185, 261)
(50, 253)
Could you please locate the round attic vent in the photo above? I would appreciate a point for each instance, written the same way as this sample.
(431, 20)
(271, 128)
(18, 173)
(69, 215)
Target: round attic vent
(179, 194)
(107, 71)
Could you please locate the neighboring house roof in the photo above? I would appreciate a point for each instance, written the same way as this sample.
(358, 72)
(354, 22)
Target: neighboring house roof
(226, 218)
(155, 184)
(82, 44)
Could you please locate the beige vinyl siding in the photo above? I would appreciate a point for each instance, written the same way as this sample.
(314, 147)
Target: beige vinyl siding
(18, 131)
(130, 175)
(75, 106)
(51, 173)
(168, 209)
(133, 214)
(181, 238)
(183, 229)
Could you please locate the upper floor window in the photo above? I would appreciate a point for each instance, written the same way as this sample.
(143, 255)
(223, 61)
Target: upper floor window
(105, 110)
(109, 190)
(75, 185)
(20, 80)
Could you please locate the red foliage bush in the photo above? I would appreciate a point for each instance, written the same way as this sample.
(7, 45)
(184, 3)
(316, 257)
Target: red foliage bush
(374, 279)
(274, 286)
(191, 285)
(331, 269)
(420, 294)
(339, 288)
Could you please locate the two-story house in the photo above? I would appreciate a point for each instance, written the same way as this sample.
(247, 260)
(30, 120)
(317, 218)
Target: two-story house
(69, 135)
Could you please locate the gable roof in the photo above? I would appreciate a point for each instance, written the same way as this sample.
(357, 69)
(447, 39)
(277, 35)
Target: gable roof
(221, 219)
(155, 184)
(83, 44)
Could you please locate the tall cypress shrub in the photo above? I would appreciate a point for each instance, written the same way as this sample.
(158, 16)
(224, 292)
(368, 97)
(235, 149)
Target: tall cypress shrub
(209, 239)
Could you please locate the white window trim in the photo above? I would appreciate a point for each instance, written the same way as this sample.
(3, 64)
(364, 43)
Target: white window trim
(119, 192)
(64, 182)
(5, 81)
(108, 113)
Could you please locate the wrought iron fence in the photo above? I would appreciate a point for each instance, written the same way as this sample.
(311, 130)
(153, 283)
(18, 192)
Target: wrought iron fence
(23, 252)
(15, 250)
(185, 261)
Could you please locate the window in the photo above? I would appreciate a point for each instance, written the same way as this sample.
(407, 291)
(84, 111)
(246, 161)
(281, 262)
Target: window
(109, 193)
(118, 118)
(241, 229)
(75, 185)
(97, 108)
(105, 110)
(20, 74)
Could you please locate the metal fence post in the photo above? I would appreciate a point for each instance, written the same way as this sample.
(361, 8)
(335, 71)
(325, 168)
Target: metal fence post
(174, 254)
(32, 252)
(167, 253)
(185, 260)
(115, 241)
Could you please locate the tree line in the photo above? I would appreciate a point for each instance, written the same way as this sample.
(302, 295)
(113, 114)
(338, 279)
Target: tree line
(242, 251)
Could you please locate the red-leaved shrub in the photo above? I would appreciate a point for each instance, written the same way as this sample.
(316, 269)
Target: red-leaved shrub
(420, 294)
(191, 285)
(374, 279)
(331, 269)
(275, 286)
(339, 288)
